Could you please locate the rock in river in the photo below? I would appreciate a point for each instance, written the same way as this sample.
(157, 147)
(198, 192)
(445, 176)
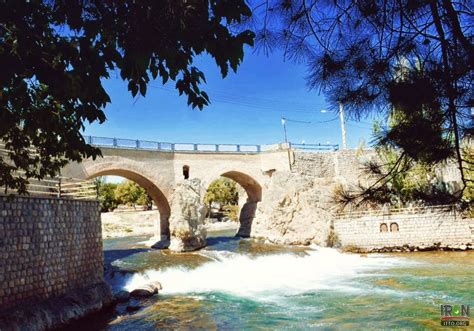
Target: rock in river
(187, 228)
(122, 296)
(146, 291)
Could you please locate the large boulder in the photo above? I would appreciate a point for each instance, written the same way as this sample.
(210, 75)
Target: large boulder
(188, 212)
(294, 210)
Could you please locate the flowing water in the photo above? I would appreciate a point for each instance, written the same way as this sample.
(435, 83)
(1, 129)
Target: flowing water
(237, 284)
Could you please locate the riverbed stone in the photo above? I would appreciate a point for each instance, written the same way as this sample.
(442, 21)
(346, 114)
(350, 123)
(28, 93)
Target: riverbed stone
(146, 290)
(122, 296)
(188, 212)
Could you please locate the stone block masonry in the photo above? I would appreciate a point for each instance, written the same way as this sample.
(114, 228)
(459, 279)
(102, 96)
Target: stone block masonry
(346, 166)
(429, 229)
(48, 248)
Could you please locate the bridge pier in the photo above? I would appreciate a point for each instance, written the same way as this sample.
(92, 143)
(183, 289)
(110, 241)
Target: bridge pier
(162, 232)
(247, 214)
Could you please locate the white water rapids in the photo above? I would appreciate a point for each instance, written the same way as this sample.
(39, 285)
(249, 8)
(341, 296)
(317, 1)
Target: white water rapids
(264, 276)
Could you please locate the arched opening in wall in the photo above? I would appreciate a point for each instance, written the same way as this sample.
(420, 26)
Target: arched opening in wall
(131, 205)
(393, 227)
(232, 202)
(186, 172)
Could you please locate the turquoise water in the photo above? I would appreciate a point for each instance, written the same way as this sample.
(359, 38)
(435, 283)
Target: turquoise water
(247, 285)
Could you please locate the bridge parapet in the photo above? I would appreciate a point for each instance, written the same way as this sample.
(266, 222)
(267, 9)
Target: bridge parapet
(314, 147)
(137, 144)
(174, 147)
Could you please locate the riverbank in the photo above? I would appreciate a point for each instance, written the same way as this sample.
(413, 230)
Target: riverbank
(140, 223)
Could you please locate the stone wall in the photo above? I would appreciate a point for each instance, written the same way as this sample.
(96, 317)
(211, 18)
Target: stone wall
(48, 247)
(350, 165)
(346, 166)
(423, 230)
(316, 165)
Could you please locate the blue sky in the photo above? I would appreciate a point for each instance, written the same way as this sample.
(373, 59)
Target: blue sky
(246, 107)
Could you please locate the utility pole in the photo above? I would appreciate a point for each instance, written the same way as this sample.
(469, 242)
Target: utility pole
(283, 122)
(343, 126)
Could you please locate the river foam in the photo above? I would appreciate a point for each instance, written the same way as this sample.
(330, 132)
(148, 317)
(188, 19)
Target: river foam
(264, 276)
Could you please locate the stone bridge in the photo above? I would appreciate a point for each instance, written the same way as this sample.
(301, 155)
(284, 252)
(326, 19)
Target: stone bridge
(159, 167)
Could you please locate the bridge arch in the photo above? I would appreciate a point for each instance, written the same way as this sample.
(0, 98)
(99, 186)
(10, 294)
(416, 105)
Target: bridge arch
(254, 195)
(152, 190)
(250, 185)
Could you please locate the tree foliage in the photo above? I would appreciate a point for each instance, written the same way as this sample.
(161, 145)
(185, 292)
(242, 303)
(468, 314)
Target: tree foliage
(398, 179)
(106, 191)
(130, 193)
(223, 191)
(55, 55)
(127, 193)
(416, 57)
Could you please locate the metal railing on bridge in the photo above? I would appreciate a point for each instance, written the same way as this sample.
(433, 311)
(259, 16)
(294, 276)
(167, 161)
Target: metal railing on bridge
(315, 147)
(200, 147)
(172, 147)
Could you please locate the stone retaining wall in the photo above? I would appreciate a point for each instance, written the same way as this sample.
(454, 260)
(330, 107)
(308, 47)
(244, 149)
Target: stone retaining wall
(316, 165)
(48, 247)
(348, 166)
(423, 230)
(344, 165)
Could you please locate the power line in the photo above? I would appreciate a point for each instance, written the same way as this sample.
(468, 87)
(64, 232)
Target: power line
(295, 121)
(239, 100)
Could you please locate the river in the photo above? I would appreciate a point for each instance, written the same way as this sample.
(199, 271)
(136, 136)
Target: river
(243, 284)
